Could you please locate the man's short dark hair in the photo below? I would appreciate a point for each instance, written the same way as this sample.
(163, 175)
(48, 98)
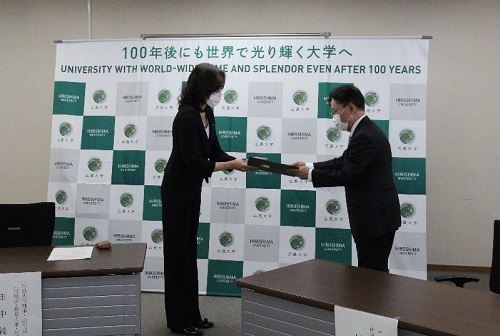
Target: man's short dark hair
(348, 94)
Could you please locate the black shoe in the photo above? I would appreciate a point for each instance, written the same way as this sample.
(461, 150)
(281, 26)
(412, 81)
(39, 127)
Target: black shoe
(204, 324)
(187, 331)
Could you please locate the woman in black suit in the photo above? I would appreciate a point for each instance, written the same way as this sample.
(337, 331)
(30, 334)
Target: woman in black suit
(196, 154)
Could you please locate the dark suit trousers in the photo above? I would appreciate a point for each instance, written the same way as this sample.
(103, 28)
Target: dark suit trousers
(374, 253)
(181, 211)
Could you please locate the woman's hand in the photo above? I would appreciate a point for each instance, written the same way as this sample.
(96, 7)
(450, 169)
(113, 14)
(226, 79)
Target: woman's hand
(241, 165)
(238, 164)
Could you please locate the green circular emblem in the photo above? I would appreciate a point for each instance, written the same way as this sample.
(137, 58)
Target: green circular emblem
(334, 134)
(164, 96)
(333, 207)
(226, 239)
(407, 210)
(157, 236)
(130, 130)
(371, 98)
(264, 132)
(300, 97)
(94, 164)
(100, 96)
(228, 171)
(65, 128)
(160, 165)
(127, 199)
(262, 204)
(297, 242)
(407, 136)
(231, 96)
(61, 197)
(90, 233)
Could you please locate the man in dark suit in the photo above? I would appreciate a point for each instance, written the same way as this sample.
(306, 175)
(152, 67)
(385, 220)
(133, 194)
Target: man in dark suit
(365, 170)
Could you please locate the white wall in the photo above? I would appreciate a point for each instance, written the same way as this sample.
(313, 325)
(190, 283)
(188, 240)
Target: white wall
(463, 158)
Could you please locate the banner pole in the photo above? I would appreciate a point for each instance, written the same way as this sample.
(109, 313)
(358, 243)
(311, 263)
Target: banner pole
(326, 35)
(89, 18)
(152, 36)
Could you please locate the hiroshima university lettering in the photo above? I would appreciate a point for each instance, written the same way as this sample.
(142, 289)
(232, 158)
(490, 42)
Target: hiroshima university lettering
(297, 206)
(153, 274)
(63, 164)
(407, 101)
(128, 165)
(299, 134)
(97, 132)
(92, 200)
(68, 98)
(261, 241)
(228, 134)
(228, 205)
(405, 250)
(162, 133)
(224, 277)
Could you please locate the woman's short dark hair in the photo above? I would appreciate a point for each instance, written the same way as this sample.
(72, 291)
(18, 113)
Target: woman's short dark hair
(348, 94)
(204, 80)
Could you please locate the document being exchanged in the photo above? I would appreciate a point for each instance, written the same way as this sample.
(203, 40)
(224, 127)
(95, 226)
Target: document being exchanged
(71, 253)
(270, 166)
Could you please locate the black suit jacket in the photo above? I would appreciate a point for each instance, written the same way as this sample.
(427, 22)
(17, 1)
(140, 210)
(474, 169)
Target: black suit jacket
(365, 169)
(194, 154)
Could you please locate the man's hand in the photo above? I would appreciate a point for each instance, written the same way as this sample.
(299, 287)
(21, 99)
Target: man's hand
(298, 164)
(302, 172)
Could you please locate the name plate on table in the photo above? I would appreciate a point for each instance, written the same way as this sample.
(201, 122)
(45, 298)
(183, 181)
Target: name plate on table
(21, 304)
(350, 322)
(270, 166)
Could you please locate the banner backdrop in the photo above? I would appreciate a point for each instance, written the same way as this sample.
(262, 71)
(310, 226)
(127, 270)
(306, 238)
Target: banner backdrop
(114, 103)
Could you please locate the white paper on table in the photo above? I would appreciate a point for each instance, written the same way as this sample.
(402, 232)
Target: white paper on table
(71, 253)
(350, 322)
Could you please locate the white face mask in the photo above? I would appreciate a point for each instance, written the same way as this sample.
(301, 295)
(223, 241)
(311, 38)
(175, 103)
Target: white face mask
(214, 99)
(338, 123)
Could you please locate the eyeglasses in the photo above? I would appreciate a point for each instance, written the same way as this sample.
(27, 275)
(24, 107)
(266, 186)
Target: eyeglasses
(339, 113)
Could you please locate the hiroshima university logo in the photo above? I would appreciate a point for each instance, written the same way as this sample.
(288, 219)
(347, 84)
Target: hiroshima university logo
(94, 164)
(127, 199)
(264, 132)
(160, 165)
(297, 242)
(333, 134)
(65, 128)
(157, 236)
(407, 136)
(371, 98)
(228, 171)
(61, 197)
(89, 233)
(333, 206)
(164, 96)
(300, 97)
(99, 96)
(262, 203)
(230, 96)
(130, 130)
(407, 210)
(226, 239)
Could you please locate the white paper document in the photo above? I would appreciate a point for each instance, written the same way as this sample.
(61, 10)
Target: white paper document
(350, 322)
(21, 304)
(71, 253)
